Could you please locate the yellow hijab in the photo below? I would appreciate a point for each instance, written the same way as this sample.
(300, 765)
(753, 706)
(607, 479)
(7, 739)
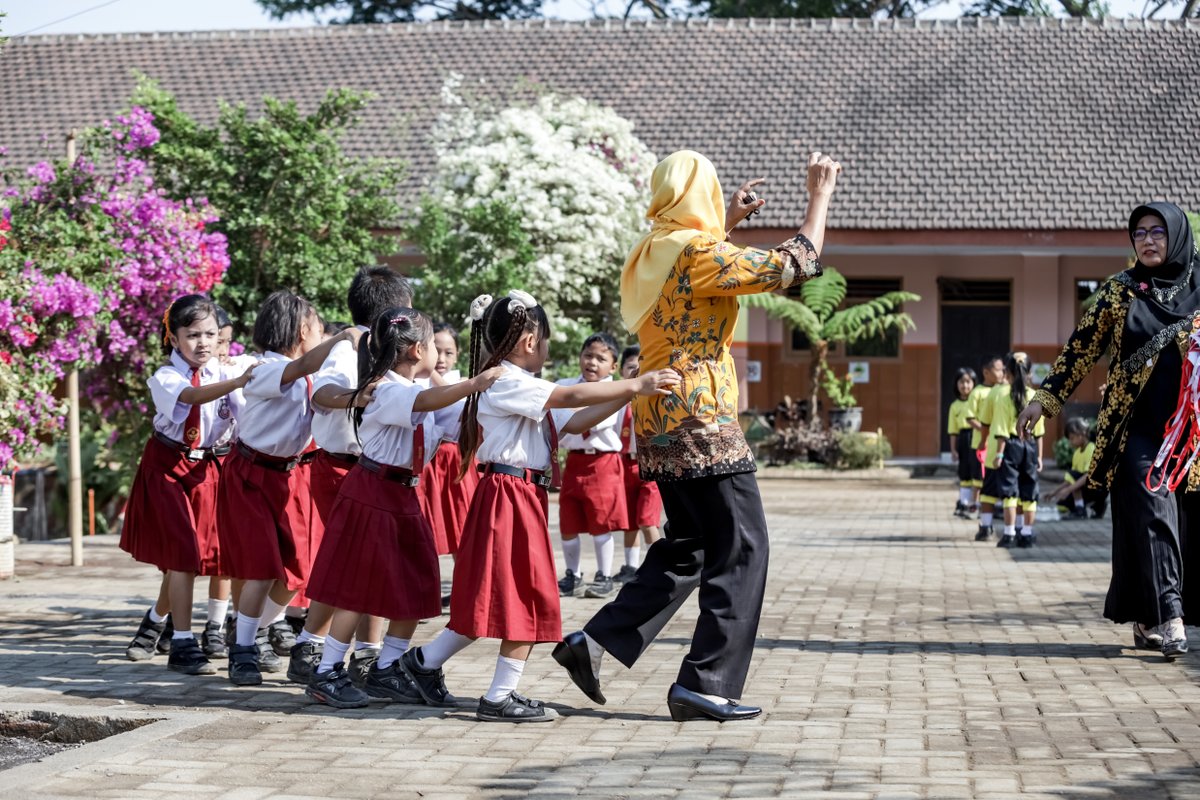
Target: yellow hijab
(686, 200)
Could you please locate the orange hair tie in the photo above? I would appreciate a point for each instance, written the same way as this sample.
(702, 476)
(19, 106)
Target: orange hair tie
(167, 325)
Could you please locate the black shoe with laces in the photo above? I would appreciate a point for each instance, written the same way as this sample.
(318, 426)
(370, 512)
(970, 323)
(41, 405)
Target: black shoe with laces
(431, 683)
(212, 641)
(268, 661)
(625, 574)
(600, 587)
(571, 585)
(983, 534)
(361, 662)
(243, 665)
(145, 641)
(281, 636)
(1007, 540)
(514, 708)
(303, 662)
(392, 683)
(164, 641)
(187, 657)
(333, 688)
(1026, 541)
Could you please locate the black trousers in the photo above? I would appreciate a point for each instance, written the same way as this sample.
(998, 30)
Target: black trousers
(715, 538)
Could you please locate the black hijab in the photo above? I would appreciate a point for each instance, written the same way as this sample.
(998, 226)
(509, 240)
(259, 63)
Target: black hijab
(1164, 297)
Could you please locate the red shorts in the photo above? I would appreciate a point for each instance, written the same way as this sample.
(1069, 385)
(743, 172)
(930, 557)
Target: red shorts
(505, 586)
(593, 495)
(643, 501)
(377, 556)
(171, 517)
(444, 498)
(264, 519)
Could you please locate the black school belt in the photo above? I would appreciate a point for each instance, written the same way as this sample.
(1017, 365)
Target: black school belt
(345, 458)
(277, 463)
(532, 476)
(192, 453)
(401, 475)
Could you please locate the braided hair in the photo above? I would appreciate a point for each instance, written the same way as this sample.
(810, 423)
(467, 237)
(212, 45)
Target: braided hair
(388, 343)
(496, 327)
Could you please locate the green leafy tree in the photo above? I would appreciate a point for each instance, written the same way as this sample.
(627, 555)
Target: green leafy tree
(820, 314)
(298, 212)
(360, 11)
(810, 8)
(1091, 9)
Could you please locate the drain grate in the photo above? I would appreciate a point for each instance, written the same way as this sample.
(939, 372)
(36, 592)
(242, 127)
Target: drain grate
(29, 736)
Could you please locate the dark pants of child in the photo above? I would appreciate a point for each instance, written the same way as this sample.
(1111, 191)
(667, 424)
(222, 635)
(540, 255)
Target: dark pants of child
(715, 538)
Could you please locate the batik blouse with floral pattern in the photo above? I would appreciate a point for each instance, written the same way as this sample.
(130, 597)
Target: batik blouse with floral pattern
(694, 431)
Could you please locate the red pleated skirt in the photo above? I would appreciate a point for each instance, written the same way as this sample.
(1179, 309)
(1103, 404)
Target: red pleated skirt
(326, 474)
(643, 502)
(377, 556)
(264, 517)
(505, 586)
(445, 499)
(171, 516)
(592, 499)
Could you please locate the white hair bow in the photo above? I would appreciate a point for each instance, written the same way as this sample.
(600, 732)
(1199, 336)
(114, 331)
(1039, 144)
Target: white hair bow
(518, 298)
(479, 305)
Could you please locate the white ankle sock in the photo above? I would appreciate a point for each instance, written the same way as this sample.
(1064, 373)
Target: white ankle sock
(439, 651)
(333, 654)
(964, 495)
(272, 612)
(604, 553)
(155, 617)
(1009, 530)
(393, 648)
(181, 635)
(505, 680)
(633, 556)
(985, 519)
(217, 609)
(595, 651)
(1079, 503)
(366, 645)
(572, 554)
(1029, 530)
(247, 629)
(305, 636)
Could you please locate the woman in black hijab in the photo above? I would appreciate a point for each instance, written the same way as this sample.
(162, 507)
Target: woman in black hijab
(1141, 320)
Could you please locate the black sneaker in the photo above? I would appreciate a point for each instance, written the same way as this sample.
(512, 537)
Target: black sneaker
(625, 574)
(445, 602)
(392, 683)
(571, 585)
(1078, 512)
(296, 623)
(983, 534)
(960, 509)
(213, 641)
(164, 642)
(333, 688)
(361, 662)
(230, 629)
(243, 665)
(1026, 541)
(187, 657)
(1007, 540)
(514, 708)
(145, 640)
(600, 587)
(431, 683)
(281, 636)
(305, 658)
(268, 660)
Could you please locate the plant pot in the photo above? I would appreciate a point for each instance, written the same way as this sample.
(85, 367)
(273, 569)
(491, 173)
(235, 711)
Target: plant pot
(845, 420)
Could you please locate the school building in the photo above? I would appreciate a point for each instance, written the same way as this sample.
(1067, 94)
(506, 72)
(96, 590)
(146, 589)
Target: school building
(991, 164)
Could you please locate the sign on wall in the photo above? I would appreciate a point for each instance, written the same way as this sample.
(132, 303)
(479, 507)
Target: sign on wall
(753, 372)
(860, 371)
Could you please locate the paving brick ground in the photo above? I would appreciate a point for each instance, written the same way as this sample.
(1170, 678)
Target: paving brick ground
(896, 659)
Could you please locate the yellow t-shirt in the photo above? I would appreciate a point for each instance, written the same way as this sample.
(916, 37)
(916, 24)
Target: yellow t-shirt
(987, 409)
(974, 401)
(1081, 459)
(1004, 418)
(960, 412)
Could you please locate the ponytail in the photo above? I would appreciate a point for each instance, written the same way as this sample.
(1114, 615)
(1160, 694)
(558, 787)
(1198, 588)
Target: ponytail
(394, 332)
(1017, 365)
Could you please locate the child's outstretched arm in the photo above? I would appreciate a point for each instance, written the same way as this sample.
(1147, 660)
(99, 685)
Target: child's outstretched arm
(311, 361)
(199, 395)
(436, 397)
(605, 398)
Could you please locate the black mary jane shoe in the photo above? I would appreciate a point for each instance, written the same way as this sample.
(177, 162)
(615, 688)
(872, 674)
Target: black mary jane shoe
(687, 705)
(572, 653)
(1174, 648)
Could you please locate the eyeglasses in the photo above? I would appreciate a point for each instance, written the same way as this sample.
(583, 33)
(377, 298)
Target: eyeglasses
(1156, 234)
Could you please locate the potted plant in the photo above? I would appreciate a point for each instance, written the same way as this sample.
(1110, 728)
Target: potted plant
(844, 415)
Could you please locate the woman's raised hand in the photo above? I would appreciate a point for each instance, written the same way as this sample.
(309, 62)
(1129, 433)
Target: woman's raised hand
(823, 173)
(1028, 417)
(658, 382)
(743, 203)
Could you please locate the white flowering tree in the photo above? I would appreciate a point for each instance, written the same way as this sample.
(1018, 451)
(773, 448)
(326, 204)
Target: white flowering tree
(546, 196)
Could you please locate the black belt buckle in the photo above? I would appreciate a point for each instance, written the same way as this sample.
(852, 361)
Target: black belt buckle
(197, 454)
(539, 479)
(412, 481)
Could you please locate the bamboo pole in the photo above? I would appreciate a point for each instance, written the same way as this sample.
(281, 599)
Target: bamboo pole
(74, 461)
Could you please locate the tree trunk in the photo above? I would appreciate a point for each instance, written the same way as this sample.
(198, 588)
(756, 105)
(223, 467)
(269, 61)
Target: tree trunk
(816, 368)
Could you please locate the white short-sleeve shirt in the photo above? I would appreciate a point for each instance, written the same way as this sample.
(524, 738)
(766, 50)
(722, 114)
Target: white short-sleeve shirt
(512, 414)
(235, 400)
(448, 419)
(389, 424)
(277, 419)
(603, 438)
(170, 415)
(332, 429)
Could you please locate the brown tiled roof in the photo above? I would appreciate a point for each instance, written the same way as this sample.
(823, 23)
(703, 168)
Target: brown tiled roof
(967, 124)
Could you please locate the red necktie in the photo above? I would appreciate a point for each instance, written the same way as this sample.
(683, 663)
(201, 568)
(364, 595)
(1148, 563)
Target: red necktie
(626, 428)
(418, 461)
(191, 426)
(555, 471)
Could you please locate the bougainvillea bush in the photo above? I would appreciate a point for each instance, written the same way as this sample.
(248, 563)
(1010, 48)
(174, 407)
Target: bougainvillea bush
(90, 258)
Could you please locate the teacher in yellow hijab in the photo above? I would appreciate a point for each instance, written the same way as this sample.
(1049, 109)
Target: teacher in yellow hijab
(679, 294)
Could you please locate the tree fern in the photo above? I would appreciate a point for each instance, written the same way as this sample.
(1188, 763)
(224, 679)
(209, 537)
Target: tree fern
(873, 318)
(824, 294)
(791, 312)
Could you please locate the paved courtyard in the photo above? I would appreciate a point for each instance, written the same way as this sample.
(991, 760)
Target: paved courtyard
(896, 659)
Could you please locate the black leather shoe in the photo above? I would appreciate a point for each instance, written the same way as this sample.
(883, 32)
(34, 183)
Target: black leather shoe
(572, 653)
(686, 705)
(1174, 648)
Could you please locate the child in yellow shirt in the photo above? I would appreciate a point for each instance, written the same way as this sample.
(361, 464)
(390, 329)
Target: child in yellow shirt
(1075, 481)
(961, 432)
